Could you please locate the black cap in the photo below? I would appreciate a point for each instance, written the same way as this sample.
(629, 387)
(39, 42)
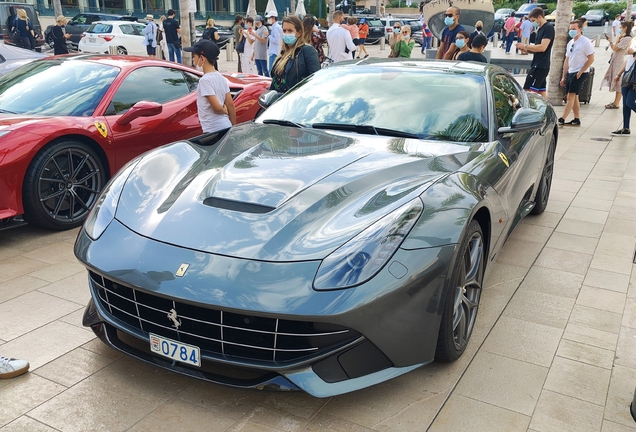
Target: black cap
(205, 48)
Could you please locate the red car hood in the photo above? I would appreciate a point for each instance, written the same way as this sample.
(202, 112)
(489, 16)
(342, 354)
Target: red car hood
(244, 78)
(10, 122)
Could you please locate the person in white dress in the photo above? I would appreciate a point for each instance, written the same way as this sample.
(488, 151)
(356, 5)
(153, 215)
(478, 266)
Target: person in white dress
(247, 59)
(162, 40)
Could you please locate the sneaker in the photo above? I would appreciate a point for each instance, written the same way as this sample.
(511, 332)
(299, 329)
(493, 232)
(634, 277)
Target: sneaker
(10, 367)
(575, 122)
(561, 121)
(621, 132)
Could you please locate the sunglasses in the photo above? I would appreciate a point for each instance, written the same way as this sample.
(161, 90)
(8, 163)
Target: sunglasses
(405, 33)
(449, 15)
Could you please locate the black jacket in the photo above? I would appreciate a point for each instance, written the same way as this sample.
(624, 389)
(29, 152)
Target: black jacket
(59, 41)
(304, 63)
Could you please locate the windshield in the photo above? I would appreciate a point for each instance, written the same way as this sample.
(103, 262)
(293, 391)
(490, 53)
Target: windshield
(594, 12)
(429, 104)
(100, 28)
(55, 88)
(526, 7)
(374, 23)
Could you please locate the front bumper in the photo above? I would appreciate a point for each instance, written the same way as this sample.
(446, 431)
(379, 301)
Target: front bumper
(395, 315)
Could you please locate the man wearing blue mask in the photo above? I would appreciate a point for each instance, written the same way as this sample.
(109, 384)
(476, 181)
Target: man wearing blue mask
(536, 81)
(579, 56)
(447, 45)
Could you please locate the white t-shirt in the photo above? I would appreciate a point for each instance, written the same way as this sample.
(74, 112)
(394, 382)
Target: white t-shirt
(615, 26)
(212, 83)
(577, 52)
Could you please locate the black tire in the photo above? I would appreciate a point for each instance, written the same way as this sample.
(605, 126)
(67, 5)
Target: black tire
(122, 51)
(462, 298)
(62, 184)
(545, 184)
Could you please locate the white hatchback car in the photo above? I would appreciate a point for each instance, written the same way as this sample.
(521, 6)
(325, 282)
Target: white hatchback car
(126, 36)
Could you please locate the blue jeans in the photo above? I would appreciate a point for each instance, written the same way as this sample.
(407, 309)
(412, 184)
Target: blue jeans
(629, 104)
(509, 40)
(172, 51)
(272, 59)
(261, 67)
(426, 43)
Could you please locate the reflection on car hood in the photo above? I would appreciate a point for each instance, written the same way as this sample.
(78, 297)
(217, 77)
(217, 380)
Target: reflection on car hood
(275, 193)
(13, 121)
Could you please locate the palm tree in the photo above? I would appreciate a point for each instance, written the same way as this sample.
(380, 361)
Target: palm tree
(628, 15)
(563, 13)
(251, 8)
(332, 9)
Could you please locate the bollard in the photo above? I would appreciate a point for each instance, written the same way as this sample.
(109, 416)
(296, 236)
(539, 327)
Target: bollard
(112, 50)
(597, 43)
(229, 48)
(495, 40)
(382, 43)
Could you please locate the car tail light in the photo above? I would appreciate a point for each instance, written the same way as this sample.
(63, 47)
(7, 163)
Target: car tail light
(82, 35)
(107, 38)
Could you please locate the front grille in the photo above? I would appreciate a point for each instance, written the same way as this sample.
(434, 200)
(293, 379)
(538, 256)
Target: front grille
(217, 332)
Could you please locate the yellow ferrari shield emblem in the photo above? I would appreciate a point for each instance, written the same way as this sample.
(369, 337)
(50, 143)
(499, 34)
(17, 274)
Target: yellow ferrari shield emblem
(101, 127)
(504, 159)
(182, 270)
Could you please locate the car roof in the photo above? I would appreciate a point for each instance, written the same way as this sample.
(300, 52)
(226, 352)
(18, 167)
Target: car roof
(422, 64)
(120, 61)
(116, 22)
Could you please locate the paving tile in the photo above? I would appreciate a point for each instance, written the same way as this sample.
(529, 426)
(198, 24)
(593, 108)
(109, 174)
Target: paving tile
(47, 343)
(503, 382)
(563, 196)
(97, 346)
(297, 404)
(578, 380)
(414, 416)
(73, 367)
(616, 245)
(586, 215)
(586, 354)
(18, 266)
(603, 299)
(557, 412)
(264, 416)
(176, 415)
(592, 203)
(573, 165)
(500, 272)
(547, 219)
(325, 422)
(629, 313)
(531, 233)
(622, 265)
(59, 271)
(571, 175)
(607, 280)
(620, 395)
(552, 281)
(540, 308)
(580, 228)
(25, 393)
(609, 426)
(523, 340)
(26, 424)
(566, 185)
(595, 318)
(248, 426)
(227, 401)
(519, 253)
(73, 288)
(30, 311)
(626, 348)
(622, 212)
(74, 318)
(588, 192)
(116, 397)
(52, 254)
(604, 185)
(568, 261)
(573, 243)
(581, 157)
(20, 285)
(559, 207)
(483, 417)
(591, 336)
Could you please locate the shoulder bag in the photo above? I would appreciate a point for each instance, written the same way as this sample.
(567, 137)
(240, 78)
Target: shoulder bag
(240, 45)
(629, 77)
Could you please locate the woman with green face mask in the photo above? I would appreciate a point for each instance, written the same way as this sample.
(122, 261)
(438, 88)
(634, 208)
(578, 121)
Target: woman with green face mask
(296, 60)
(403, 43)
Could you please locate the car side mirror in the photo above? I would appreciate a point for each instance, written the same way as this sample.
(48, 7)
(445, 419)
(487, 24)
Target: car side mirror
(268, 98)
(525, 119)
(140, 109)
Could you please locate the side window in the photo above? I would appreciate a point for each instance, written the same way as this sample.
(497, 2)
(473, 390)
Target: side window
(167, 84)
(508, 99)
(80, 19)
(90, 19)
(192, 80)
(127, 29)
(139, 28)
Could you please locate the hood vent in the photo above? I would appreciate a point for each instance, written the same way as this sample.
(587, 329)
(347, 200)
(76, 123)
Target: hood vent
(238, 206)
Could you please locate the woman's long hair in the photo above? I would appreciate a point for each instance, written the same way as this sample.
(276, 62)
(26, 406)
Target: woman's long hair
(627, 26)
(22, 14)
(210, 23)
(308, 28)
(288, 51)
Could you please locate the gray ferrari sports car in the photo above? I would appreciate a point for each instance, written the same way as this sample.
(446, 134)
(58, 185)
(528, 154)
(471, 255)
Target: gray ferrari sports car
(338, 241)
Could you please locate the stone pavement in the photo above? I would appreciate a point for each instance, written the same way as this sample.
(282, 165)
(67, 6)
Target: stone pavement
(554, 348)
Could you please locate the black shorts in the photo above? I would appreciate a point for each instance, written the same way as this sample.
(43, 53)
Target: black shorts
(362, 41)
(536, 80)
(574, 85)
(151, 50)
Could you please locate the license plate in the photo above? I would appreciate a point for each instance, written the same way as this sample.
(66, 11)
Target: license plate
(184, 353)
(91, 40)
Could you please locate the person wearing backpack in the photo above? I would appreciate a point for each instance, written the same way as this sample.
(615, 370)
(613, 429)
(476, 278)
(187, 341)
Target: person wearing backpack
(23, 26)
(59, 37)
(211, 33)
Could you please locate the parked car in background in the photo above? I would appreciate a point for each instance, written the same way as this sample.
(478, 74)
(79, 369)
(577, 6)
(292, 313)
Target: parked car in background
(596, 17)
(551, 17)
(126, 36)
(376, 29)
(7, 17)
(92, 114)
(12, 57)
(225, 33)
(77, 25)
(525, 9)
(504, 13)
(332, 244)
(633, 13)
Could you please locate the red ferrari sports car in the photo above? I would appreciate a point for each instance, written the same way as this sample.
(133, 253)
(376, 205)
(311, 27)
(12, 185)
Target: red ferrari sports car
(67, 124)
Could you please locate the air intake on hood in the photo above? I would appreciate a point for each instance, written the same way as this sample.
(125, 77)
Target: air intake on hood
(237, 206)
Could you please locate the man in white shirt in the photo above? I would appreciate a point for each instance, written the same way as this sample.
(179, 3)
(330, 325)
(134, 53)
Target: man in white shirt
(579, 56)
(339, 39)
(616, 25)
(275, 38)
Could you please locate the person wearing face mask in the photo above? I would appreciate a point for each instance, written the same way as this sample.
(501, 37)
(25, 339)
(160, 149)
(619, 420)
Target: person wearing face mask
(150, 36)
(247, 58)
(275, 37)
(404, 43)
(297, 60)
(478, 30)
(59, 36)
(536, 81)
(395, 35)
(475, 54)
(339, 39)
(617, 62)
(447, 45)
(260, 45)
(214, 101)
(526, 30)
(461, 42)
(579, 56)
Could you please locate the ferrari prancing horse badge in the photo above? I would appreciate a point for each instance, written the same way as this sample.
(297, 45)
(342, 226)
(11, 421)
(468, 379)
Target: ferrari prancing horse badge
(101, 127)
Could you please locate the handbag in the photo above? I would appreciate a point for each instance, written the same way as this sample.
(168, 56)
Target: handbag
(629, 77)
(394, 52)
(240, 46)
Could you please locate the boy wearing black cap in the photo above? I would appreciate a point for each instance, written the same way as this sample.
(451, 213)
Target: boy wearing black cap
(214, 101)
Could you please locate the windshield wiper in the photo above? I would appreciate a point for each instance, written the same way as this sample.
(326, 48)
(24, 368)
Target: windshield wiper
(365, 129)
(283, 123)
(6, 112)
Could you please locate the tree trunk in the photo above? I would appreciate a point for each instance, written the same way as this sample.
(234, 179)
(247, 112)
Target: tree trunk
(562, 25)
(251, 8)
(57, 8)
(332, 8)
(628, 15)
(292, 7)
(377, 7)
(184, 17)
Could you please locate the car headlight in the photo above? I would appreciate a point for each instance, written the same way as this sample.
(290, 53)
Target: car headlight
(104, 211)
(363, 256)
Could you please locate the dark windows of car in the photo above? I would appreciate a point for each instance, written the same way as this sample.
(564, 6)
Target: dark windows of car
(374, 23)
(167, 84)
(127, 29)
(341, 96)
(507, 97)
(192, 80)
(100, 28)
(56, 88)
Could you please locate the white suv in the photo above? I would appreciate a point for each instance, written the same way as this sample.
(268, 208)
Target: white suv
(126, 36)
